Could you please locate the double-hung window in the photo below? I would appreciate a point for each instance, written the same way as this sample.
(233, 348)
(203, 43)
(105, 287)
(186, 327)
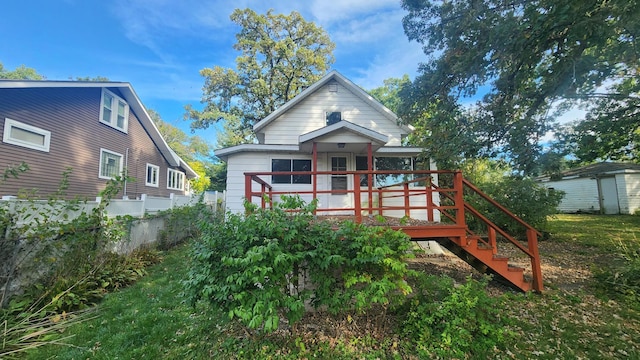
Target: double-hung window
(114, 111)
(110, 164)
(24, 135)
(289, 165)
(175, 180)
(339, 181)
(153, 174)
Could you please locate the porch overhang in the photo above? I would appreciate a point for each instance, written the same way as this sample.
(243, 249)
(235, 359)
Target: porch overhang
(342, 136)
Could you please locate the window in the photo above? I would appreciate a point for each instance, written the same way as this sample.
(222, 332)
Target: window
(333, 117)
(114, 111)
(393, 163)
(362, 164)
(152, 175)
(386, 163)
(24, 135)
(290, 165)
(110, 164)
(175, 180)
(339, 182)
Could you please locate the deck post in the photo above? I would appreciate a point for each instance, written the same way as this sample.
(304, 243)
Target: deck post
(407, 203)
(491, 232)
(532, 241)
(459, 198)
(247, 188)
(429, 192)
(356, 198)
(369, 176)
(314, 178)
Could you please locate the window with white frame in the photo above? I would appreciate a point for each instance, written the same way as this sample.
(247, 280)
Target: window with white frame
(114, 111)
(175, 180)
(153, 174)
(24, 135)
(111, 164)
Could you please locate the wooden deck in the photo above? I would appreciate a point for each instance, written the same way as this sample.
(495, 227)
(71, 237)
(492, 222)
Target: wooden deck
(430, 205)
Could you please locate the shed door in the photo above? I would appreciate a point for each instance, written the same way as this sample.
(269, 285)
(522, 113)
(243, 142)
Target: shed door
(609, 195)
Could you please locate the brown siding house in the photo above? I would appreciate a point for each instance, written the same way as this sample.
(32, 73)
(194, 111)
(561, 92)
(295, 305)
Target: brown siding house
(97, 129)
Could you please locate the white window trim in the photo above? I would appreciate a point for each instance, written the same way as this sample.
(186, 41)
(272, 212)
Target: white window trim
(157, 170)
(6, 137)
(114, 112)
(184, 179)
(100, 165)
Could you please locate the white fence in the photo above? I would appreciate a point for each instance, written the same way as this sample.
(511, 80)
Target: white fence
(121, 207)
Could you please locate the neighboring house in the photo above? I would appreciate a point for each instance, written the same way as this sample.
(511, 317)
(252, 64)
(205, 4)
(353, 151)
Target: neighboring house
(609, 188)
(98, 129)
(333, 125)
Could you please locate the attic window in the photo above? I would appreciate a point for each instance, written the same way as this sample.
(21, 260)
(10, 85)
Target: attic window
(114, 111)
(333, 117)
(333, 87)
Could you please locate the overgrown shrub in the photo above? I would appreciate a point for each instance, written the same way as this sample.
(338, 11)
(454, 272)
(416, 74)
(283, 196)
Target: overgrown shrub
(523, 196)
(448, 321)
(622, 277)
(259, 267)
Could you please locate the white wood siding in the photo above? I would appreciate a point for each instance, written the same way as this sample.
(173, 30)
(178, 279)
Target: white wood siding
(240, 163)
(580, 194)
(310, 114)
(628, 192)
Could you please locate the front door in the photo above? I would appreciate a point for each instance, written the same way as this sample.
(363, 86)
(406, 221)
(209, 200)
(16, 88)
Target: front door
(340, 184)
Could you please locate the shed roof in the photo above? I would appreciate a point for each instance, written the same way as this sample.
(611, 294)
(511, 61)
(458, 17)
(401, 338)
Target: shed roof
(602, 168)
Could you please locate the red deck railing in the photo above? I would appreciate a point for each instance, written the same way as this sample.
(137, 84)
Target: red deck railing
(437, 197)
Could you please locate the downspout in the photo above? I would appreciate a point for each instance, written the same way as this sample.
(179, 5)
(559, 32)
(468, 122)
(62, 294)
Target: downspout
(126, 171)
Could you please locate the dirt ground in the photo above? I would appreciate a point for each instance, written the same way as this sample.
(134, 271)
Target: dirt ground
(564, 266)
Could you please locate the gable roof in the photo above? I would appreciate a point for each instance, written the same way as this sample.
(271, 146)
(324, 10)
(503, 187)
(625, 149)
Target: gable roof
(331, 76)
(376, 138)
(129, 95)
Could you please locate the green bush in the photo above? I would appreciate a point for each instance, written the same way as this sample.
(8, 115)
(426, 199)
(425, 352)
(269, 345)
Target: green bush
(622, 277)
(453, 321)
(259, 266)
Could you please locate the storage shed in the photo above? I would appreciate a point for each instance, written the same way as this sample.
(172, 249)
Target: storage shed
(606, 188)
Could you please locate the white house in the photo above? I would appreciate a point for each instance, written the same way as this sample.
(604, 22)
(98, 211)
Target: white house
(609, 188)
(333, 125)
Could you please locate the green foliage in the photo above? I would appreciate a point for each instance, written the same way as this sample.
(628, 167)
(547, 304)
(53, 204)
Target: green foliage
(259, 266)
(622, 276)
(192, 149)
(20, 73)
(182, 223)
(453, 321)
(280, 56)
(523, 196)
(526, 57)
(389, 93)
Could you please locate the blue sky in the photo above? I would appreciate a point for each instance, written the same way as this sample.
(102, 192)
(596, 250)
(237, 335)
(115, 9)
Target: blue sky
(159, 46)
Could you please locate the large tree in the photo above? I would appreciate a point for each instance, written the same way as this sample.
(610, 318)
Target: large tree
(280, 56)
(524, 57)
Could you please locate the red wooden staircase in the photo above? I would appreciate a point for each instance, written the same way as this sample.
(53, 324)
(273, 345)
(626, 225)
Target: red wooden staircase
(439, 199)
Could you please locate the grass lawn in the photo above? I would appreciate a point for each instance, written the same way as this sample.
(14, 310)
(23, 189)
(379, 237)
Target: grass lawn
(150, 321)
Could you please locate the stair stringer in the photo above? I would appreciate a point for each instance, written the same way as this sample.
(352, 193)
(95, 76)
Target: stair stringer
(485, 261)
